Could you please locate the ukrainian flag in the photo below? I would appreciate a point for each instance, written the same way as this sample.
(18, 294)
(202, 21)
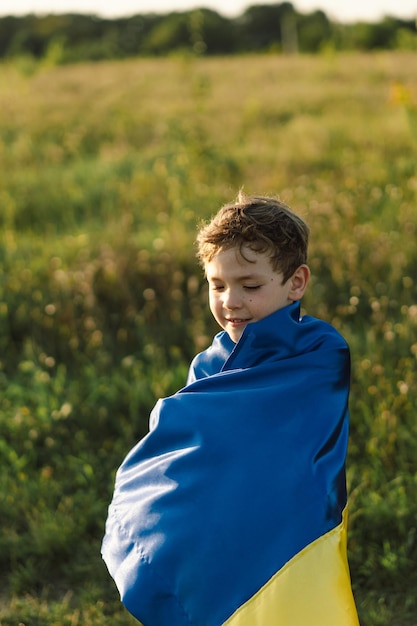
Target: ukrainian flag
(233, 509)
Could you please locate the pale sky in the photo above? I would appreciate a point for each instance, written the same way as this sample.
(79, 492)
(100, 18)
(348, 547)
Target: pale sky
(343, 10)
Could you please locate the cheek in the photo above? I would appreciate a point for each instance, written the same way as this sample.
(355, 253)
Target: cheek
(213, 303)
(255, 299)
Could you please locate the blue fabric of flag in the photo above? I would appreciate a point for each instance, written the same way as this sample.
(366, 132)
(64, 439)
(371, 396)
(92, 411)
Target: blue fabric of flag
(241, 470)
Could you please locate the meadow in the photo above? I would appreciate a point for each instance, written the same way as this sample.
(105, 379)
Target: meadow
(106, 169)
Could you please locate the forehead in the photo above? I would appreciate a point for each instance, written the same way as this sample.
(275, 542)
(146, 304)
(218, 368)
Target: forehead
(236, 263)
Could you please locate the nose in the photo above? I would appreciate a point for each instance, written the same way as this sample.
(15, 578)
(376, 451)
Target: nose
(231, 300)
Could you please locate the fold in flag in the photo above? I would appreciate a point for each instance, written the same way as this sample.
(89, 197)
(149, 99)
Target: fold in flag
(232, 509)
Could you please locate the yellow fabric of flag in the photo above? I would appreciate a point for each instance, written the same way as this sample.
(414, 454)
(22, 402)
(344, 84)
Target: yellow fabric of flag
(312, 589)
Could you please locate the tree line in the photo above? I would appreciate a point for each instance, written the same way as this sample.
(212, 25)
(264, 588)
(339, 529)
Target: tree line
(68, 38)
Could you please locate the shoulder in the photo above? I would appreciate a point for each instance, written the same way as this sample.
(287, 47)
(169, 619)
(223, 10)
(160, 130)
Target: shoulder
(324, 334)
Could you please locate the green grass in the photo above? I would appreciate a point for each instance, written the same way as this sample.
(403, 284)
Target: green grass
(106, 170)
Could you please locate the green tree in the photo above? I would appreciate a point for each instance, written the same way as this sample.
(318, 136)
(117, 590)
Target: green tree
(261, 26)
(314, 31)
(211, 32)
(383, 35)
(170, 34)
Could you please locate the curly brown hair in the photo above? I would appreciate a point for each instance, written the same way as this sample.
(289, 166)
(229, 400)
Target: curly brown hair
(264, 225)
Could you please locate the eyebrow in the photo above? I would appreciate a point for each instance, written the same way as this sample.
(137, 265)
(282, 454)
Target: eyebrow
(245, 277)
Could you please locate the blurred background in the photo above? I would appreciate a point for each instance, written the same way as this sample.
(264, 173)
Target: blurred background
(119, 133)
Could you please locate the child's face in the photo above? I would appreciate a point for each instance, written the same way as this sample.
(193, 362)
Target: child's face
(243, 291)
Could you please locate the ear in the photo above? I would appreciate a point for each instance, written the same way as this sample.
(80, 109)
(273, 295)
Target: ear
(298, 282)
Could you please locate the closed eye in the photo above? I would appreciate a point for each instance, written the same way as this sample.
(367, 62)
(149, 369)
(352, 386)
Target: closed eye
(252, 287)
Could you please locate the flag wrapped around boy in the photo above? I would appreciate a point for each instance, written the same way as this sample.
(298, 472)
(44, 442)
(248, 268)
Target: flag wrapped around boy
(232, 509)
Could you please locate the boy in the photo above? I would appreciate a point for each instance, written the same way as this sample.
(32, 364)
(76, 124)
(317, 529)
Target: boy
(232, 510)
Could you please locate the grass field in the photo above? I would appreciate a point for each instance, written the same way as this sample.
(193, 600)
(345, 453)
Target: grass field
(105, 171)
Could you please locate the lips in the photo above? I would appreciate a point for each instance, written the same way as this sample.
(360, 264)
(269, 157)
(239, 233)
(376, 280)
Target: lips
(236, 320)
